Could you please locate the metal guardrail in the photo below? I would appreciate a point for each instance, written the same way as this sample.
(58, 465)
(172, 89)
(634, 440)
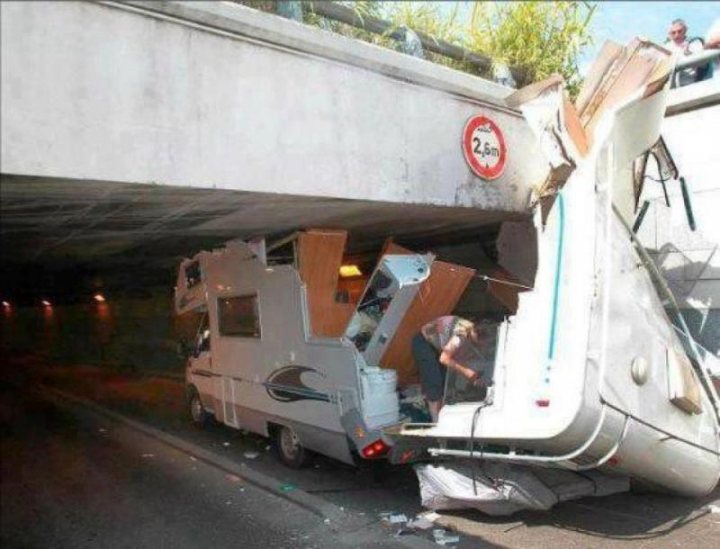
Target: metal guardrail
(697, 59)
(344, 14)
(693, 61)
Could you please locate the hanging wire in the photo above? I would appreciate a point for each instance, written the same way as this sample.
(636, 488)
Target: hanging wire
(503, 281)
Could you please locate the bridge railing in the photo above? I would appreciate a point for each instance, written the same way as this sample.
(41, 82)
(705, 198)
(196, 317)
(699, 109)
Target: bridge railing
(412, 41)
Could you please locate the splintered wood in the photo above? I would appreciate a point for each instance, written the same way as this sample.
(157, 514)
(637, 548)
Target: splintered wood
(437, 296)
(617, 74)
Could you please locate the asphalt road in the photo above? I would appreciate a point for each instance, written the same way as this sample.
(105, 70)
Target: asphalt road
(67, 482)
(70, 481)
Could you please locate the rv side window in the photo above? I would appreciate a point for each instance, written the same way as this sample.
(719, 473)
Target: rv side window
(238, 316)
(192, 274)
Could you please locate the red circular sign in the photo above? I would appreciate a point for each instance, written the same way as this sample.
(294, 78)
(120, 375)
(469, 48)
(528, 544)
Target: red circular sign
(484, 147)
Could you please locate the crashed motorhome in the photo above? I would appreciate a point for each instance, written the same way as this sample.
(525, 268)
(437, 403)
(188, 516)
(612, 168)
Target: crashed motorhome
(596, 371)
(593, 368)
(290, 349)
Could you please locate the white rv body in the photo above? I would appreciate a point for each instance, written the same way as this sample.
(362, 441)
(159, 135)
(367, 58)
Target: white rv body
(591, 373)
(323, 388)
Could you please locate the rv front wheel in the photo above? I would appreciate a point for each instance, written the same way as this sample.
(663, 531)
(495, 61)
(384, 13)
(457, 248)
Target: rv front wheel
(197, 411)
(289, 449)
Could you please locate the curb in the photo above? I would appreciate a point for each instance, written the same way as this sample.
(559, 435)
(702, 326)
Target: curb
(316, 505)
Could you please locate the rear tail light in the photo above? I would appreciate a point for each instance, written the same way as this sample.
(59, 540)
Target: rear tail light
(375, 449)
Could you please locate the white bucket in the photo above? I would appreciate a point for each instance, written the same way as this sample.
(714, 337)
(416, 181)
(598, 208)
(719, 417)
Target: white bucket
(381, 404)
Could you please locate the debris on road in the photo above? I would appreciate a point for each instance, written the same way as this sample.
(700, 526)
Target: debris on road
(443, 537)
(287, 487)
(420, 523)
(148, 456)
(226, 444)
(393, 518)
(250, 454)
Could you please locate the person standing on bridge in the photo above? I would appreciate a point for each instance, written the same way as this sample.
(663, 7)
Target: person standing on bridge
(678, 43)
(446, 343)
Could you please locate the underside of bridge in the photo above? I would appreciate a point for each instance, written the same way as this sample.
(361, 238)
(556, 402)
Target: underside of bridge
(69, 238)
(203, 122)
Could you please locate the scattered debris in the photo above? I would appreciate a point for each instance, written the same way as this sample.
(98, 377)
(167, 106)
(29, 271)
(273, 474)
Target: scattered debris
(101, 430)
(287, 487)
(233, 478)
(226, 444)
(267, 448)
(228, 502)
(393, 518)
(193, 458)
(420, 523)
(250, 454)
(443, 537)
(148, 455)
(327, 521)
(713, 508)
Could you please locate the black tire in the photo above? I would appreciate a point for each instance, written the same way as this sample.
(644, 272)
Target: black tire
(288, 448)
(198, 414)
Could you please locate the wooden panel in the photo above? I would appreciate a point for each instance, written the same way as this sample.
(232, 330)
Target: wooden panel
(320, 254)
(437, 296)
(504, 293)
(390, 248)
(632, 76)
(608, 55)
(574, 127)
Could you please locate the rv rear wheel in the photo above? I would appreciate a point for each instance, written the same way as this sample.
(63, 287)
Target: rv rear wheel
(197, 411)
(290, 451)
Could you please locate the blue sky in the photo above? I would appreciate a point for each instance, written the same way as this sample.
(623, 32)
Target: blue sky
(622, 21)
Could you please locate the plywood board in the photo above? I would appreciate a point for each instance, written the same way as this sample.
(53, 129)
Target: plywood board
(609, 53)
(504, 293)
(574, 127)
(390, 248)
(633, 75)
(437, 296)
(320, 254)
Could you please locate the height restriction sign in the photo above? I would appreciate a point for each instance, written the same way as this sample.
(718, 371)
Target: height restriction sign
(484, 147)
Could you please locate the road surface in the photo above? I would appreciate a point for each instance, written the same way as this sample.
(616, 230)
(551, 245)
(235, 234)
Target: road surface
(81, 481)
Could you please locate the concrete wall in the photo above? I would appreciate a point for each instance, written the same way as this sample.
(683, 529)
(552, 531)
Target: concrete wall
(135, 334)
(690, 260)
(221, 96)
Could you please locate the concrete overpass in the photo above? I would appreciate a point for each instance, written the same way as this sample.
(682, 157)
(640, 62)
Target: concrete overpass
(136, 133)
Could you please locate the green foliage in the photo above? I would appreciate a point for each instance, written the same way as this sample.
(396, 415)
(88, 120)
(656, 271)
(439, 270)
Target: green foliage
(541, 38)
